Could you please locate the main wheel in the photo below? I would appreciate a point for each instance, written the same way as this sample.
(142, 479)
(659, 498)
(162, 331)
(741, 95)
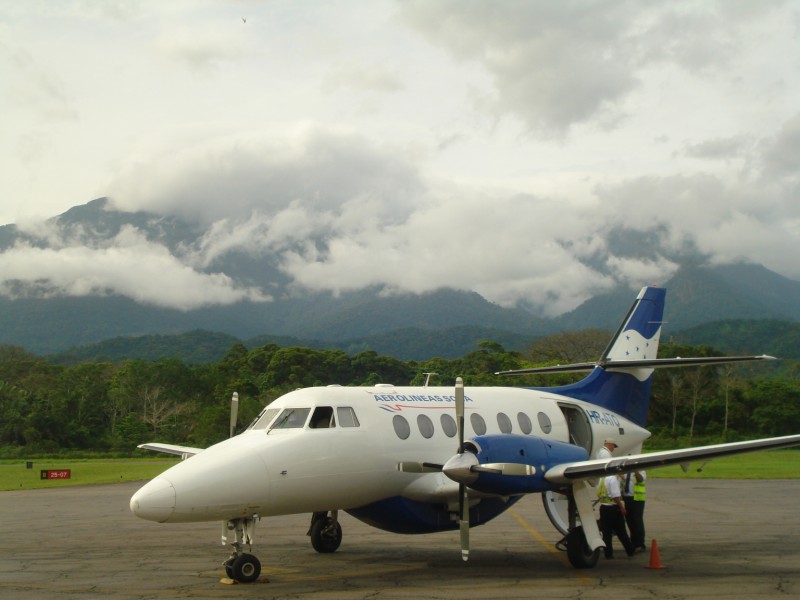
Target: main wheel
(245, 568)
(325, 535)
(578, 552)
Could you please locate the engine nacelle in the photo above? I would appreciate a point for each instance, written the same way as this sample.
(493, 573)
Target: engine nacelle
(537, 452)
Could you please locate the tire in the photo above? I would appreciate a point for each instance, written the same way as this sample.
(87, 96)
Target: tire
(245, 568)
(326, 537)
(228, 564)
(578, 552)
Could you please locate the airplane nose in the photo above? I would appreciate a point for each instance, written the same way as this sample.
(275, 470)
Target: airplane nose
(155, 501)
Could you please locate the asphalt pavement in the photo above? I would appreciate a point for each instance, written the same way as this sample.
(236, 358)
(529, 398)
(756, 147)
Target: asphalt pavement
(715, 538)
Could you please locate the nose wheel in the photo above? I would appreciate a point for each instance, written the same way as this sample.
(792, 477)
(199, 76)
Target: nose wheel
(241, 566)
(244, 568)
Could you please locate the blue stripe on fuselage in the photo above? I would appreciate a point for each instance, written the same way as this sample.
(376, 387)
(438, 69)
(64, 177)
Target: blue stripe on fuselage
(401, 515)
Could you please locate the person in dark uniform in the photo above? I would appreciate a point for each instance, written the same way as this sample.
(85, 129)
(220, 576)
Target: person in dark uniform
(634, 494)
(612, 515)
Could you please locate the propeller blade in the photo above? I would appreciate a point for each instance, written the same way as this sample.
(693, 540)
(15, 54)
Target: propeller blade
(460, 413)
(234, 411)
(513, 469)
(463, 522)
(457, 473)
(417, 467)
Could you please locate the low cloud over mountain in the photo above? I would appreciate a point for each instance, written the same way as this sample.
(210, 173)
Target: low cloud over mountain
(536, 153)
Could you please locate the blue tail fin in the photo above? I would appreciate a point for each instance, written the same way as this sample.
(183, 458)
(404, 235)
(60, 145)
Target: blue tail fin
(625, 390)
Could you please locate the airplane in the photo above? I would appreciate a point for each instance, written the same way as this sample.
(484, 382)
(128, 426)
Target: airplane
(423, 459)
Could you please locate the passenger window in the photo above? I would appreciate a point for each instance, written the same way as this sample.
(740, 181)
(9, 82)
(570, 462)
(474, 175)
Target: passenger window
(347, 417)
(504, 422)
(401, 427)
(263, 420)
(291, 418)
(425, 426)
(449, 425)
(322, 418)
(524, 423)
(478, 424)
(544, 422)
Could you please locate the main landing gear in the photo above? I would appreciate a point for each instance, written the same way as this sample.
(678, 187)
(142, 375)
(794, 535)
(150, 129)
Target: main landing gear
(325, 531)
(241, 566)
(579, 552)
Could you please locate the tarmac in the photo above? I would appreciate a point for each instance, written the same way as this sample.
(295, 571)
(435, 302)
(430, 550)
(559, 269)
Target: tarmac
(715, 538)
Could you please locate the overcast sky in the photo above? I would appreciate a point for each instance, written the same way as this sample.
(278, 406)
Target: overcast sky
(482, 145)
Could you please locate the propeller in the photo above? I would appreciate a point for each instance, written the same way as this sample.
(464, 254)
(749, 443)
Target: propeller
(463, 500)
(234, 411)
(464, 469)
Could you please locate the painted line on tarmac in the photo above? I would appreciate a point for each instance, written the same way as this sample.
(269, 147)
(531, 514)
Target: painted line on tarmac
(549, 547)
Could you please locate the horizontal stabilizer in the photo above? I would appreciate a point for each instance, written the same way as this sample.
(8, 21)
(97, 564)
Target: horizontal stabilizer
(184, 451)
(654, 363)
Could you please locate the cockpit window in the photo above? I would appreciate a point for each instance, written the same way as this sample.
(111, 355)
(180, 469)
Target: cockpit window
(263, 420)
(291, 418)
(322, 418)
(347, 416)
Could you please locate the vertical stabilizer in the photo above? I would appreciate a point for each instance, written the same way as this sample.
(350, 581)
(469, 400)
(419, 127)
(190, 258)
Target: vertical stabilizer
(625, 391)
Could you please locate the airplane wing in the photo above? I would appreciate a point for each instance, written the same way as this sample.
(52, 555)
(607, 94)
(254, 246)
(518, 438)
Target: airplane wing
(184, 451)
(570, 472)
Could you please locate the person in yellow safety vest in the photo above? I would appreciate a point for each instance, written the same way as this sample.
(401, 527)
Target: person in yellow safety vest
(612, 515)
(634, 494)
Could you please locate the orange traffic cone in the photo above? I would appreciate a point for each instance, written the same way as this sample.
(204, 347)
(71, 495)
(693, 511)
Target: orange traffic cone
(655, 559)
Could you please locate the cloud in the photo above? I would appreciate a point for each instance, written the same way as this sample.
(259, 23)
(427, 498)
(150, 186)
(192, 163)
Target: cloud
(720, 148)
(372, 78)
(552, 66)
(558, 65)
(781, 155)
(503, 147)
(501, 246)
(34, 88)
(337, 213)
(231, 177)
(201, 46)
(129, 265)
(724, 219)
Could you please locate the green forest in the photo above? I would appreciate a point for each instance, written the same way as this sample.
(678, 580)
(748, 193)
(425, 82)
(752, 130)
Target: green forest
(106, 409)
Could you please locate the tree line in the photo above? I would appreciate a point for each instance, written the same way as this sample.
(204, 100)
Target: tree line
(105, 407)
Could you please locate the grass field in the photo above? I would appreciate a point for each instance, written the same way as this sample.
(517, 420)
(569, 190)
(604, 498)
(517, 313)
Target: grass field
(14, 474)
(773, 464)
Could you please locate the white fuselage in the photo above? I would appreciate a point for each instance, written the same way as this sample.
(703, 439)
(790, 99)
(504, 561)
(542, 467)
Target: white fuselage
(269, 470)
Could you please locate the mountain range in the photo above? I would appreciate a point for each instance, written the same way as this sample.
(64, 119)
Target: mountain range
(444, 323)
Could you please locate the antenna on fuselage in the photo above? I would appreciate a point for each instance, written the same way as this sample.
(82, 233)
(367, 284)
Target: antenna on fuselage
(428, 378)
(234, 411)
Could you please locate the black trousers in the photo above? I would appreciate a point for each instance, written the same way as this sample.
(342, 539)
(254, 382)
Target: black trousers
(635, 520)
(613, 523)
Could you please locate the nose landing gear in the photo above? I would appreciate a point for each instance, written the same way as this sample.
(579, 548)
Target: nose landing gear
(241, 566)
